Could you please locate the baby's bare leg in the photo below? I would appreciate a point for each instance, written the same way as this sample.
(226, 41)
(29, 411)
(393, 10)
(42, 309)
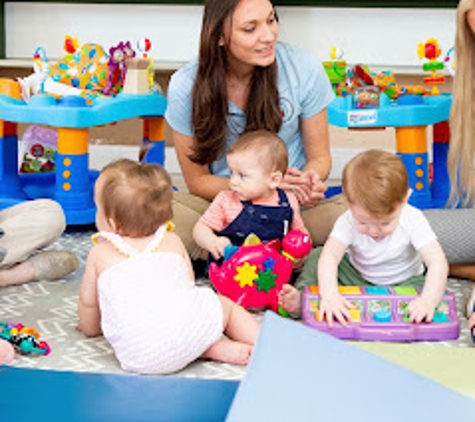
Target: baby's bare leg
(242, 329)
(239, 324)
(289, 299)
(229, 351)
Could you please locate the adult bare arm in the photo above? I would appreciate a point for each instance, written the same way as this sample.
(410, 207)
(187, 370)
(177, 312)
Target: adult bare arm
(316, 139)
(308, 184)
(198, 178)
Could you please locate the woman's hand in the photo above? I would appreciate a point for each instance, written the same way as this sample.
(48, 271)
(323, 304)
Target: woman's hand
(306, 185)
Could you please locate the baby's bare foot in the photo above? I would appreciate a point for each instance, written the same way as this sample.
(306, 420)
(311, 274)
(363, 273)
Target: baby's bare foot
(229, 351)
(289, 299)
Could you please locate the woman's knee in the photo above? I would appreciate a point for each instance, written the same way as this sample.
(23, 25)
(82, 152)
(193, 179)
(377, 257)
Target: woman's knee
(51, 214)
(320, 219)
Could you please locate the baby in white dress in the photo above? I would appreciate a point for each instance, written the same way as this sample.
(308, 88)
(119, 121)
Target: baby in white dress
(139, 289)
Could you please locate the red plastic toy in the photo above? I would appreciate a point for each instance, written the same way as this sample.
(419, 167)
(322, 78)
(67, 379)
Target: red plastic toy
(254, 274)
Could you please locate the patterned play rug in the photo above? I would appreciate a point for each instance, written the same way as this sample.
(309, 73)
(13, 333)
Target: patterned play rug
(50, 307)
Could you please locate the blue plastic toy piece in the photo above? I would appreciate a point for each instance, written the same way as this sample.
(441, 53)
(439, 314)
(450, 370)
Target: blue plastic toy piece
(382, 316)
(73, 112)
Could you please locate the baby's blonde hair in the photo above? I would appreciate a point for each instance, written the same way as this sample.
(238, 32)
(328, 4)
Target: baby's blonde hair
(270, 149)
(138, 197)
(461, 158)
(377, 181)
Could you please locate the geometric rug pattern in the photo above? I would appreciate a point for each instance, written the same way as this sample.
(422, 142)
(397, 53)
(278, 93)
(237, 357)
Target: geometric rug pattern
(50, 308)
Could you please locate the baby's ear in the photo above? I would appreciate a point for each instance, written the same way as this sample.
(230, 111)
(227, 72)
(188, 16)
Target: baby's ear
(275, 179)
(113, 225)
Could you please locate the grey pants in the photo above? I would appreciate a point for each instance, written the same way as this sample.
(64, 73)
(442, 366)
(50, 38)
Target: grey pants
(29, 227)
(455, 229)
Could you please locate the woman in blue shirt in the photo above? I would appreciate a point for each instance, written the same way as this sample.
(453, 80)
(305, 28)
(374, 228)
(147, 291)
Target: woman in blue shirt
(245, 80)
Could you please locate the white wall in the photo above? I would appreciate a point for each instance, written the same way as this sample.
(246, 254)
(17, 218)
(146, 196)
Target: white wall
(382, 37)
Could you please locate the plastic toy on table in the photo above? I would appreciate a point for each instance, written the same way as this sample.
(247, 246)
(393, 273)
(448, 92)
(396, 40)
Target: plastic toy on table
(380, 314)
(253, 274)
(336, 67)
(24, 339)
(71, 185)
(431, 51)
(410, 115)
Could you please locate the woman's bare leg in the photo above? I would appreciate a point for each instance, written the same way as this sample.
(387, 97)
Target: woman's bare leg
(466, 271)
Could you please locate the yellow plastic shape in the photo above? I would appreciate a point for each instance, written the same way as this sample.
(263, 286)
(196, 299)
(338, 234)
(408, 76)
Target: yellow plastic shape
(349, 290)
(246, 274)
(355, 315)
(251, 240)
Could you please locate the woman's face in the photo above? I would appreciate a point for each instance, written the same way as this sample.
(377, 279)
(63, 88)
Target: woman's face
(471, 19)
(250, 33)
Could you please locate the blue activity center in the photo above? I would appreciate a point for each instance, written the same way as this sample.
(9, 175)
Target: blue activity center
(72, 183)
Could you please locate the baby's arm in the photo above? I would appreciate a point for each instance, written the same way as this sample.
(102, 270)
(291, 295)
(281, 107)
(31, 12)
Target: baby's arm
(333, 304)
(88, 304)
(424, 306)
(207, 239)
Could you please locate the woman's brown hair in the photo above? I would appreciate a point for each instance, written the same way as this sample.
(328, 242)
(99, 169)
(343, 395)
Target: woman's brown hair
(209, 97)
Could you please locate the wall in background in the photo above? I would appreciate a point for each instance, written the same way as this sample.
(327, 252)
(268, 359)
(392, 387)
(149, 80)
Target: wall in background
(386, 38)
(376, 36)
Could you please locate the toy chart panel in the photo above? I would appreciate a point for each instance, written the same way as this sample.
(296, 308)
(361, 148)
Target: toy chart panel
(380, 314)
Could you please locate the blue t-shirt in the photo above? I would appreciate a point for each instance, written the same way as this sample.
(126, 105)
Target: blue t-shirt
(304, 91)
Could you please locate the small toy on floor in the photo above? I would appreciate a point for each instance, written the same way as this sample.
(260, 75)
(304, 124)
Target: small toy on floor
(7, 352)
(24, 339)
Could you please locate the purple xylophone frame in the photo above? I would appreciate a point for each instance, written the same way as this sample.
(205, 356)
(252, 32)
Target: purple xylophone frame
(396, 330)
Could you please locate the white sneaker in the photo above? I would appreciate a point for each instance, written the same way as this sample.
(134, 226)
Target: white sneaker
(54, 264)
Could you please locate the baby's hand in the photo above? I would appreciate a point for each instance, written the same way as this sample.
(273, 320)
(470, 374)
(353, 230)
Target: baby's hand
(421, 309)
(217, 249)
(335, 306)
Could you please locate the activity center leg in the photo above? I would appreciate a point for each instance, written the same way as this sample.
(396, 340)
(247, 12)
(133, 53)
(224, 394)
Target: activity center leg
(411, 146)
(154, 140)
